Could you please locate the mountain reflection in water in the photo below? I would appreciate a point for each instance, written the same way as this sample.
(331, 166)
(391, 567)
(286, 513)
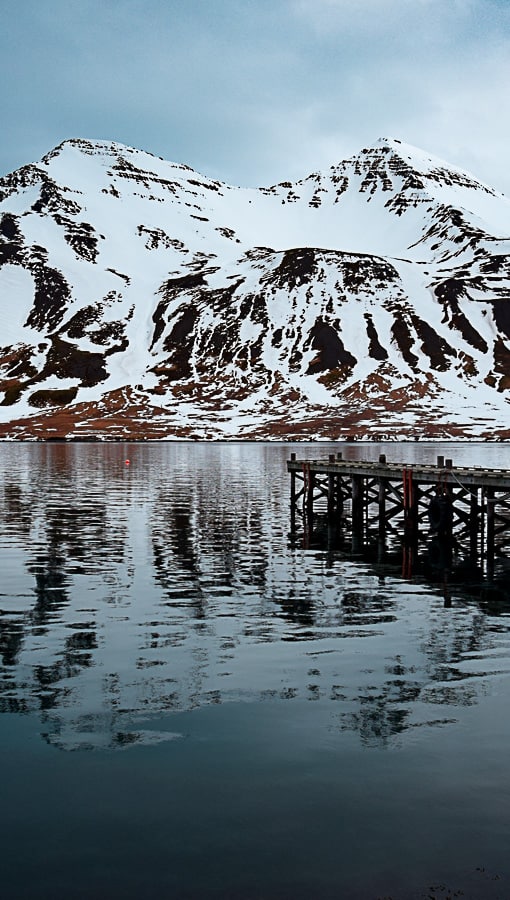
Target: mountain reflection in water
(170, 583)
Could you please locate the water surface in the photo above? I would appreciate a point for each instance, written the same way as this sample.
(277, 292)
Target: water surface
(193, 705)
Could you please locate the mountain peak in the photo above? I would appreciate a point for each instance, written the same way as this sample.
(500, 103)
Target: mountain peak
(139, 298)
(427, 164)
(91, 147)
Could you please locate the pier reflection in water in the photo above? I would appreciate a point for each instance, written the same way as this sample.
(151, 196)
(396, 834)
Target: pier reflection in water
(151, 597)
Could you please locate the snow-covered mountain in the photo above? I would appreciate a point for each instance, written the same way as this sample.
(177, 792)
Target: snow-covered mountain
(140, 299)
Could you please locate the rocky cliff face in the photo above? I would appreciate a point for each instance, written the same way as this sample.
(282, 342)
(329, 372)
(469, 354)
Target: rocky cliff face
(139, 299)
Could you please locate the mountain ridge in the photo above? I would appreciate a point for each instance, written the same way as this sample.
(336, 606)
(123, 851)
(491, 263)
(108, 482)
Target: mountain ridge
(141, 299)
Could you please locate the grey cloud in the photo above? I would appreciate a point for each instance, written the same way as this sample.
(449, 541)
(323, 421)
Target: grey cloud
(255, 92)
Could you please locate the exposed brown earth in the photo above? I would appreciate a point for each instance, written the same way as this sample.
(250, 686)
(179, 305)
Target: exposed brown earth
(124, 415)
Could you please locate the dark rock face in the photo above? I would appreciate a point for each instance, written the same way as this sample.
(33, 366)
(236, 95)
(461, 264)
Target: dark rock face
(51, 298)
(331, 351)
(376, 350)
(296, 268)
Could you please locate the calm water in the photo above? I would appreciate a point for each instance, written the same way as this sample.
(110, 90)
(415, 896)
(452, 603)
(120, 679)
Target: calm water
(192, 706)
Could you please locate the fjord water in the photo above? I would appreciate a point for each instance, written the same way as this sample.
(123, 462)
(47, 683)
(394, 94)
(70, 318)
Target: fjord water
(193, 705)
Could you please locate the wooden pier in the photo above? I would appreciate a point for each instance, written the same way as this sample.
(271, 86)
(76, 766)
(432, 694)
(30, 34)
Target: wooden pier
(470, 505)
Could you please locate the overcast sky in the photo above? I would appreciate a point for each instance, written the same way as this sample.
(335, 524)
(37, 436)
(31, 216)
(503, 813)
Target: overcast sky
(257, 91)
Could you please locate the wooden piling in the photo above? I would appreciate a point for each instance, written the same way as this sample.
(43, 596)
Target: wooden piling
(382, 507)
(357, 502)
(489, 499)
(309, 498)
(474, 522)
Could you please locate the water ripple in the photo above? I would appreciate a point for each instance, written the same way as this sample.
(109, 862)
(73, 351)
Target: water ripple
(172, 585)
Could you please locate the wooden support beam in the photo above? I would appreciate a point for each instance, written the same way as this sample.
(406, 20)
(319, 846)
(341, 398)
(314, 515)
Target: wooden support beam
(489, 496)
(339, 495)
(382, 508)
(357, 503)
(309, 499)
(331, 497)
(474, 519)
(410, 503)
(292, 502)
